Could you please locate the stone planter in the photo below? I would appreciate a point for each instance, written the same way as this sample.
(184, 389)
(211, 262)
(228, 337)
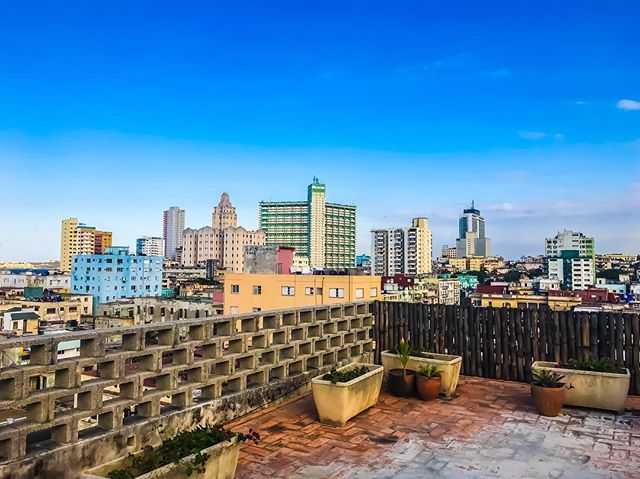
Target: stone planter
(337, 403)
(592, 389)
(448, 367)
(222, 462)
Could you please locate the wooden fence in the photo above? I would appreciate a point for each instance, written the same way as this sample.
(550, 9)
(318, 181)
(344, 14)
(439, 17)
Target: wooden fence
(502, 343)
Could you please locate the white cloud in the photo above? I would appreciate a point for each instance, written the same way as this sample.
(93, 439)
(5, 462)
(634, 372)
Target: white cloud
(531, 135)
(628, 105)
(539, 135)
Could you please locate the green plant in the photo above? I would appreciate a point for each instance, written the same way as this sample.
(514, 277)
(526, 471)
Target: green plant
(602, 365)
(403, 352)
(184, 444)
(429, 370)
(416, 353)
(336, 376)
(547, 379)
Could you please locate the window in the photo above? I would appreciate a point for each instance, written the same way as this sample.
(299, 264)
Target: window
(288, 291)
(308, 291)
(373, 292)
(359, 293)
(319, 291)
(233, 310)
(336, 292)
(255, 310)
(235, 288)
(257, 289)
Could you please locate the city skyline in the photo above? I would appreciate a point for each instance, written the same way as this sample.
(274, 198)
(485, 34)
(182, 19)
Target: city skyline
(403, 112)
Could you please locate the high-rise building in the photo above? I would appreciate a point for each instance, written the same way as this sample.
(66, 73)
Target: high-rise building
(571, 259)
(79, 238)
(223, 241)
(150, 246)
(172, 230)
(471, 234)
(405, 251)
(116, 274)
(322, 233)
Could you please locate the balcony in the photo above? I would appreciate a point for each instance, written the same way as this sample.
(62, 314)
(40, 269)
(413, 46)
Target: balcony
(127, 383)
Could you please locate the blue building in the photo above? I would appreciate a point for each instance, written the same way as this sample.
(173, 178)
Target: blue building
(116, 274)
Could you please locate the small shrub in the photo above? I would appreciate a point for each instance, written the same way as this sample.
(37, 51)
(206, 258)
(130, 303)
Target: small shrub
(429, 370)
(178, 447)
(547, 379)
(403, 352)
(602, 365)
(336, 376)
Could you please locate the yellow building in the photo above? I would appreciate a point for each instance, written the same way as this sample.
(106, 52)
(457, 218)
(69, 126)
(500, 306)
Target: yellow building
(245, 293)
(556, 303)
(459, 264)
(78, 238)
(71, 308)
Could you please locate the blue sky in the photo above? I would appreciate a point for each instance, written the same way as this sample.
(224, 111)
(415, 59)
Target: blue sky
(113, 111)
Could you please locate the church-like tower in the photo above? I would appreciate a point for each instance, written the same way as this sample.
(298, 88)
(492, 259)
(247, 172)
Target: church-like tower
(224, 215)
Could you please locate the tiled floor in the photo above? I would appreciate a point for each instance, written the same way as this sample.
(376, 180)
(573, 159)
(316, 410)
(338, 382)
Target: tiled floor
(489, 431)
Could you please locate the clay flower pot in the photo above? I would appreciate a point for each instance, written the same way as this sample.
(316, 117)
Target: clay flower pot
(401, 384)
(548, 401)
(428, 388)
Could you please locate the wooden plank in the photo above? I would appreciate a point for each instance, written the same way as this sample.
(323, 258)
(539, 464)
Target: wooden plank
(519, 348)
(564, 348)
(527, 342)
(571, 333)
(490, 340)
(619, 338)
(535, 335)
(498, 341)
(593, 335)
(635, 361)
(556, 335)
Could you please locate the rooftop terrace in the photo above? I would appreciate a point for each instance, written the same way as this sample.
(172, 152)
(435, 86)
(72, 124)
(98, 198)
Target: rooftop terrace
(490, 430)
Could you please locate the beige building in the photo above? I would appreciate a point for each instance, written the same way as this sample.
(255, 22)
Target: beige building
(449, 291)
(406, 251)
(78, 238)
(71, 308)
(224, 241)
(520, 300)
(246, 293)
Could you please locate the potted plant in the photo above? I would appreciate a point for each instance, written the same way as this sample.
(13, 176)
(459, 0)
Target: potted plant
(401, 381)
(597, 383)
(345, 392)
(428, 382)
(548, 392)
(210, 452)
(448, 366)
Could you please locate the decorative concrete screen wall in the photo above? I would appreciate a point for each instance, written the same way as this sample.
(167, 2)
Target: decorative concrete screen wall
(130, 380)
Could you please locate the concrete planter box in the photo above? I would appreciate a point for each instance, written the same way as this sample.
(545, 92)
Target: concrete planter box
(592, 389)
(222, 462)
(337, 403)
(448, 367)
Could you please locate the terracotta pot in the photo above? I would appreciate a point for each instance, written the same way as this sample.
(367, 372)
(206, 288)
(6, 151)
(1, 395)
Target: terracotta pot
(428, 388)
(401, 384)
(548, 401)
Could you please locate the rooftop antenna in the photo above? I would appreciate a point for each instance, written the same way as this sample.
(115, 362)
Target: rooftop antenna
(472, 204)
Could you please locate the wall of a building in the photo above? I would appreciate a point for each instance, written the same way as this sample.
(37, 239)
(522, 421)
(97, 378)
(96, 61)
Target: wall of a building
(354, 288)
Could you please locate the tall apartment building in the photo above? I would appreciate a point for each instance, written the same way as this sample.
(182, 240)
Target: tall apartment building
(405, 251)
(571, 258)
(79, 238)
(471, 234)
(322, 233)
(116, 274)
(172, 231)
(223, 241)
(150, 246)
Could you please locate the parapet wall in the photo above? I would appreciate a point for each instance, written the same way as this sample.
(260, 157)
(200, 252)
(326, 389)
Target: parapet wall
(128, 384)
